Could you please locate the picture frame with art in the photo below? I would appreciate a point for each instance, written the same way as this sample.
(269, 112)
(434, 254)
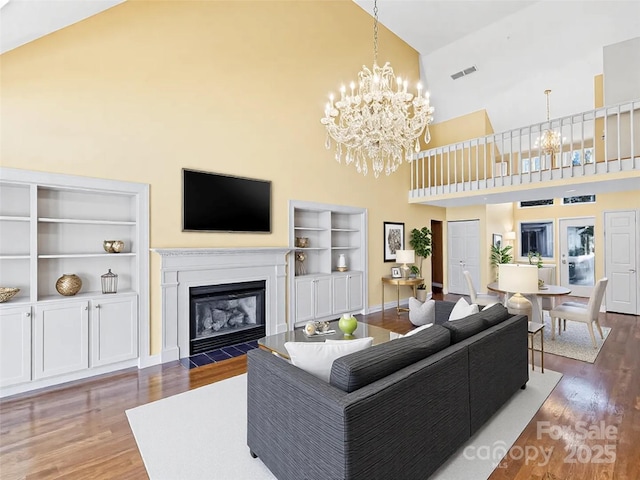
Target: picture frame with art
(393, 240)
(497, 240)
(396, 272)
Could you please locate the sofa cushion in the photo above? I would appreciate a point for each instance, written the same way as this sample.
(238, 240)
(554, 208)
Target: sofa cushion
(465, 327)
(494, 315)
(317, 357)
(356, 370)
(462, 309)
(421, 313)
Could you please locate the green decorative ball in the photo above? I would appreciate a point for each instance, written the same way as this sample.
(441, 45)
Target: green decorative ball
(348, 324)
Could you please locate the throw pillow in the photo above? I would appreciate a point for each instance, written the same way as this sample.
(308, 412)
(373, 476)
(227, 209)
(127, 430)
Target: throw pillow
(317, 358)
(419, 329)
(487, 307)
(421, 313)
(462, 309)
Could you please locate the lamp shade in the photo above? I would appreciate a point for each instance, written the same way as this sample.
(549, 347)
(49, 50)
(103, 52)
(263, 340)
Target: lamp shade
(405, 256)
(510, 235)
(518, 278)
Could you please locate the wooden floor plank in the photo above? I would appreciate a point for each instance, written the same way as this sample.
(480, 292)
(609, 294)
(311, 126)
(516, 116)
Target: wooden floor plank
(80, 430)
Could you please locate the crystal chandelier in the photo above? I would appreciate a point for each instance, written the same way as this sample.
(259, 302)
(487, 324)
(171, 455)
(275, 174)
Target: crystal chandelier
(375, 121)
(549, 143)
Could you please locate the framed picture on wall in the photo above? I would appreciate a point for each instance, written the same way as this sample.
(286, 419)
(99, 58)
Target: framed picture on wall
(393, 240)
(497, 240)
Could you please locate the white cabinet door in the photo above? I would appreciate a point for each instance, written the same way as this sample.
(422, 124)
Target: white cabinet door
(313, 298)
(356, 296)
(340, 294)
(15, 345)
(323, 297)
(61, 338)
(305, 309)
(347, 292)
(114, 329)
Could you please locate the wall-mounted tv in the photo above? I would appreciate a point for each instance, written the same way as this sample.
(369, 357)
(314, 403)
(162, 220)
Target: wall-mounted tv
(221, 203)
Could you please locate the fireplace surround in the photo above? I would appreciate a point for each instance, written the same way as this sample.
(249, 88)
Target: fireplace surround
(185, 268)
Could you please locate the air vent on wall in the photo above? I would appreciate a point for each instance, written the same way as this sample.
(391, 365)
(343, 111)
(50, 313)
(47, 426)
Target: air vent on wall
(466, 71)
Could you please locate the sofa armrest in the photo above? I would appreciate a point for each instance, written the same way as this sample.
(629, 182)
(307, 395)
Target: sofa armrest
(294, 420)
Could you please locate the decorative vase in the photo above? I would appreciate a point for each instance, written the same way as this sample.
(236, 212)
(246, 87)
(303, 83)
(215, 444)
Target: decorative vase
(342, 263)
(348, 324)
(68, 284)
(421, 294)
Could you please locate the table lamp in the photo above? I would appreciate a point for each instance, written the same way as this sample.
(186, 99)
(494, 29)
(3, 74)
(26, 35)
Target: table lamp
(404, 257)
(518, 279)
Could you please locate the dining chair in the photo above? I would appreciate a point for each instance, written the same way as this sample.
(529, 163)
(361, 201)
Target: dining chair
(578, 313)
(479, 298)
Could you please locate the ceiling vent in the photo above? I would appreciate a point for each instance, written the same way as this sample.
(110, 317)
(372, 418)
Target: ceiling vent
(466, 71)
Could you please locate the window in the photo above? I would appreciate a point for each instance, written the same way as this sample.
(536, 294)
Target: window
(579, 199)
(536, 237)
(536, 203)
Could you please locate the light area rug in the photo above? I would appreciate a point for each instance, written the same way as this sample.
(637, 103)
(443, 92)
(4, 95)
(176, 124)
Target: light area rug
(574, 342)
(201, 434)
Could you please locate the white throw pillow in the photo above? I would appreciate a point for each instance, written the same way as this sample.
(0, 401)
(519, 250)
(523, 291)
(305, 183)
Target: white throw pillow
(421, 313)
(487, 307)
(462, 309)
(317, 357)
(419, 329)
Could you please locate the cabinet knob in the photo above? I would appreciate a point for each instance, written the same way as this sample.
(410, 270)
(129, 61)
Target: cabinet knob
(98, 306)
(86, 308)
(27, 314)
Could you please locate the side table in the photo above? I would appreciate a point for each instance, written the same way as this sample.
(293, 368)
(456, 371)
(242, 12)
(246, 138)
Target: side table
(533, 329)
(410, 282)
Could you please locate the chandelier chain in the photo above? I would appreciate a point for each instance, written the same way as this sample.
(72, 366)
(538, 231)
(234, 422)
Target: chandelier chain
(375, 32)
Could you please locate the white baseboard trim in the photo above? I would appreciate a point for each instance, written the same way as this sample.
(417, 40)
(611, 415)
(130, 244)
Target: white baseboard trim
(150, 361)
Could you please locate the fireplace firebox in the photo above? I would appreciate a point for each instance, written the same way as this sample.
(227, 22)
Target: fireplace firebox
(226, 314)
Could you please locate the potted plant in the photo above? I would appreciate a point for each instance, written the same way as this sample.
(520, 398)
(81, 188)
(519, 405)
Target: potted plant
(500, 255)
(421, 243)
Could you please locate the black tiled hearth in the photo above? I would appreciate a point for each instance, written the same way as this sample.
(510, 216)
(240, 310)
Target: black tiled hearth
(218, 355)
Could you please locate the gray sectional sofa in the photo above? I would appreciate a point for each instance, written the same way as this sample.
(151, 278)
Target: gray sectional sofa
(395, 410)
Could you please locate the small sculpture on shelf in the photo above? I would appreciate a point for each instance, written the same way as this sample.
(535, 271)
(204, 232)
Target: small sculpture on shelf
(300, 268)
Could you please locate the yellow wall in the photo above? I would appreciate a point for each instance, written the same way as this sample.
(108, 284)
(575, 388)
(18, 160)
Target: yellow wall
(144, 89)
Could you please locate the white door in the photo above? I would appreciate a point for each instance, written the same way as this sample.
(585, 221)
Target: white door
(463, 252)
(577, 255)
(621, 261)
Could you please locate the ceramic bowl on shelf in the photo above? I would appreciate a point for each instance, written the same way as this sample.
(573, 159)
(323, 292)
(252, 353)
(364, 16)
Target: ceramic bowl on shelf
(113, 246)
(7, 293)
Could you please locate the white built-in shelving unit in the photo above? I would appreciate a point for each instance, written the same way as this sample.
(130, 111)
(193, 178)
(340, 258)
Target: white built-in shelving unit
(323, 292)
(50, 225)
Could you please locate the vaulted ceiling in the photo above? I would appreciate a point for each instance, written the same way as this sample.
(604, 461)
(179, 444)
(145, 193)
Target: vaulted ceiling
(519, 47)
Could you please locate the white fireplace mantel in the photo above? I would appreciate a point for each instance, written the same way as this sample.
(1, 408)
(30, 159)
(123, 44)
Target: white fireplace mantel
(183, 268)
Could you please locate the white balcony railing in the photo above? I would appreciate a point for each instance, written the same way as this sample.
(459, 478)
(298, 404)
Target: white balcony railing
(591, 143)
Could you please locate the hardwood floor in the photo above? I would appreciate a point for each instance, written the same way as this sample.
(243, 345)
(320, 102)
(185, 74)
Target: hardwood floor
(80, 431)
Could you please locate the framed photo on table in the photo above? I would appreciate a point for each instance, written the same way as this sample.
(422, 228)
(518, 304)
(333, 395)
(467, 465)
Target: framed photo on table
(393, 240)
(497, 240)
(395, 272)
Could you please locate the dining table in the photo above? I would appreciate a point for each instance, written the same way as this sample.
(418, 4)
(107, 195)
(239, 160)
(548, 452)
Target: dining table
(546, 291)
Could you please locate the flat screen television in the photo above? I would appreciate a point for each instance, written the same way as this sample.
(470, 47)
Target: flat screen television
(213, 202)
